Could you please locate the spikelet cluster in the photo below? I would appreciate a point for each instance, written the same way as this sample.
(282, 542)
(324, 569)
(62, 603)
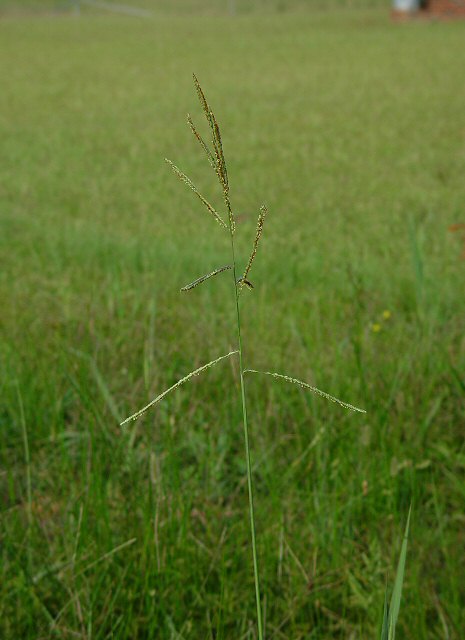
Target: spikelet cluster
(219, 163)
(194, 284)
(261, 219)
(182, 176)
(216, 159)
(177, 384)
(304, 385)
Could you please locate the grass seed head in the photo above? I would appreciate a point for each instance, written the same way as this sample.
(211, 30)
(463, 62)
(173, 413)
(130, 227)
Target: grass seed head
(194, 284)
(182, 176)
(258, 234)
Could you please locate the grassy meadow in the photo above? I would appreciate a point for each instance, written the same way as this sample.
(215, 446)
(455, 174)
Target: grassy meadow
(352, 131)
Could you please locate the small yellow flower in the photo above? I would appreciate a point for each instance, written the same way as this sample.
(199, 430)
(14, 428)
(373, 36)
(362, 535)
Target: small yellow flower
(386, 314)
(376, 327)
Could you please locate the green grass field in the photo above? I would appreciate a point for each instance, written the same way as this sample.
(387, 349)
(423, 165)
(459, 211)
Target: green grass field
(352, 130)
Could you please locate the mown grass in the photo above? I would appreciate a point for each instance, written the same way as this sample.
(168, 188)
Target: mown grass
(353, 132)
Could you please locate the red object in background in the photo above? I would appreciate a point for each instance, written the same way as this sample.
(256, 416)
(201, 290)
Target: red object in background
(446, 8)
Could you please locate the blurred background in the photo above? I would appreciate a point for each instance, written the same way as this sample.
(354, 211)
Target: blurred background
(195, 7)
(350, 126)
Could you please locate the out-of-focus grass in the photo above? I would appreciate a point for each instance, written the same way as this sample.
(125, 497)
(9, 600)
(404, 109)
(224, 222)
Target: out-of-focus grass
(353, 132)
(187, 7)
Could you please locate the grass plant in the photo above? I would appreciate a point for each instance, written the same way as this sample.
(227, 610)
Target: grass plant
(217, 161)
(391, 612)
(350, 129)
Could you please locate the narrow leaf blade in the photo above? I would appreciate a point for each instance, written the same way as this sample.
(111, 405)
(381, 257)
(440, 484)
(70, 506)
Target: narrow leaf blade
(398, 584)
(385, 625)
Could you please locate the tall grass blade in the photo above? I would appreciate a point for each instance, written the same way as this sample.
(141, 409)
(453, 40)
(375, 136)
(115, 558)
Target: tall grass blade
(194, 284)
(304, 385)
(385, 626)
(190, 375)
(182, 176)
(398, 584)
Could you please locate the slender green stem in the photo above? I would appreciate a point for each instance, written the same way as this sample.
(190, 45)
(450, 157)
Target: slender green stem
(247, 447)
